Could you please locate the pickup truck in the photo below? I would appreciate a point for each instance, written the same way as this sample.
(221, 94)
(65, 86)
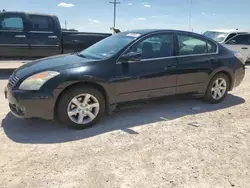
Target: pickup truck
(222, 35)
(240, 43)
(30, 36)
(235, 40)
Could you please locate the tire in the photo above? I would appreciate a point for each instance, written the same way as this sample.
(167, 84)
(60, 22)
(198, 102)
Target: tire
(210, 95)
(66, 106)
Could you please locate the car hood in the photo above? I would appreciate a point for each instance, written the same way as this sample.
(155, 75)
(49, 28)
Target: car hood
(51, 63)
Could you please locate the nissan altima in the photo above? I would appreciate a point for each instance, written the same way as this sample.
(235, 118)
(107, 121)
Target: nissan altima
(78, 89)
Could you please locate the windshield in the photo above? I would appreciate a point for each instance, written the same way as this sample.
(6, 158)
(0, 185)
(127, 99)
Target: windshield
(108, 46)
(217, 36)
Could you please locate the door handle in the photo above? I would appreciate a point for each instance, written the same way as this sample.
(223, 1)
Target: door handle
(52, 37)
(244, 48)
(20, 36)
(169, 67)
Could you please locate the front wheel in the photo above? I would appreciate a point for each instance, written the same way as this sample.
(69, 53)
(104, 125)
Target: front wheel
(217, 88)
(81, 107)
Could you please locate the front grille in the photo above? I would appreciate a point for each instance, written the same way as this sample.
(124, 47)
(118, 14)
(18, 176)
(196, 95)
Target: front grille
(13, 80)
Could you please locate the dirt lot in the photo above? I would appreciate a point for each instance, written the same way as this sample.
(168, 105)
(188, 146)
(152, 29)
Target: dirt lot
(170, 143)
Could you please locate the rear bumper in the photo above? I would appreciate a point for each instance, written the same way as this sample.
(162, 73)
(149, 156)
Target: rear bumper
(29, 104)
(239, 76)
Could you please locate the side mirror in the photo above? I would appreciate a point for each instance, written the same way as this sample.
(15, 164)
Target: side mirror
(131, 57)
(230, 42)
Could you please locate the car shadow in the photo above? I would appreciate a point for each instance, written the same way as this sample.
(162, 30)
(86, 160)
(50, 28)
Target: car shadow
(37, 131)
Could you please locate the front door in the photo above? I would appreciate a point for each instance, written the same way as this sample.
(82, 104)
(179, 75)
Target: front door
(13, 37)
(152, 76)
(240, 43)
(44, 38)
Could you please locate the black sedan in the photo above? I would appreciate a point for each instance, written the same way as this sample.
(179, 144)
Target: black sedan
(79, 88)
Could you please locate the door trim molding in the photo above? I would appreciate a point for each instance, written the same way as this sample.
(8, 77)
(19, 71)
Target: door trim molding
(13, 31)
(43, 46)
(137, 91)
(42, 32)
(171, 57)
(16, 45)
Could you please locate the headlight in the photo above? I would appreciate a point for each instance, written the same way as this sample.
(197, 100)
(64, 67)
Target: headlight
(36, 81)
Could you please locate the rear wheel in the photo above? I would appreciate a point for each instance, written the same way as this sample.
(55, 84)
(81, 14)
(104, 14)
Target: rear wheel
(217, 88)
(81, 108)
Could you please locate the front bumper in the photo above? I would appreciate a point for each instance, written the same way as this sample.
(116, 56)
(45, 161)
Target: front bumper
(29, 104)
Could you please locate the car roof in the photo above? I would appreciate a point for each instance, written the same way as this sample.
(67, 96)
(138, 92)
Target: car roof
(149, 31)
(143, 32)
(228, 30)
(20, 12)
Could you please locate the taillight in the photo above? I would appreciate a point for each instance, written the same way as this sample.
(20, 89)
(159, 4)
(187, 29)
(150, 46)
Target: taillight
(240, 57)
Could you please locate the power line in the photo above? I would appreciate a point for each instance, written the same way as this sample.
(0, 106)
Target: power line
(114, 3)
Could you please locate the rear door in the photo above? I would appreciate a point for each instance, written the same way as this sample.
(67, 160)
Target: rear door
(13, 36)
(44, 37)
(195, 59)
(240, 43)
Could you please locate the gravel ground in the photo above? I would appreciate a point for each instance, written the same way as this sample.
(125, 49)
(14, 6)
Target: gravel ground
(167, 143)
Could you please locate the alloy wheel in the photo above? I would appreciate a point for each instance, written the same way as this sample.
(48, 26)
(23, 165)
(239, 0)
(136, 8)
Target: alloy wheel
(219, 88)
(83, 108)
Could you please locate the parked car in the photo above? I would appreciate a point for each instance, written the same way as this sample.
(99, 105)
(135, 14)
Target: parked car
(222, 35)
(78, 89)
(28, 36)
(240, 43)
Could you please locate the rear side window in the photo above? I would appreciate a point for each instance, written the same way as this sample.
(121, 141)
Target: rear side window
(41, 23)
(189, 45)
(240, 40)
(12, 23)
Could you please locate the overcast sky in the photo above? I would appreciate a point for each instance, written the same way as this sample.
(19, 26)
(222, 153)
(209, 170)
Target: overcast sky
(97, 15)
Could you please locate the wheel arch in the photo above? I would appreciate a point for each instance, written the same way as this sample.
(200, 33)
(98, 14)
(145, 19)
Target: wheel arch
(70, 85)
(225, 70)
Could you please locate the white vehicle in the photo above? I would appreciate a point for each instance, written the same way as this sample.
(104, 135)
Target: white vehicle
(222, 35)
(240, 43)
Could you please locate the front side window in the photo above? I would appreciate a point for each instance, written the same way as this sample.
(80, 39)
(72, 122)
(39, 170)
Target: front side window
(41, 23)
(12, 23)
(231, 36)
(189, 45)
(157, 46)
(240, 40)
